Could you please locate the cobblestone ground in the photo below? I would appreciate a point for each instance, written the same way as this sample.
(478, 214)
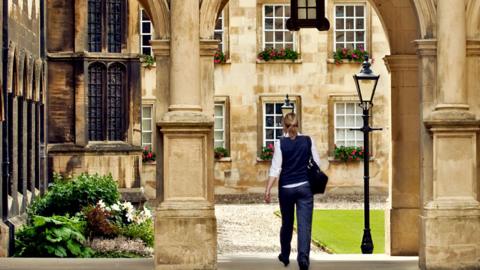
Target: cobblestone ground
(254, 228)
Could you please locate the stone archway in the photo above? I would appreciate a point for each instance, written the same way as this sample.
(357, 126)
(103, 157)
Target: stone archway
(433, 109)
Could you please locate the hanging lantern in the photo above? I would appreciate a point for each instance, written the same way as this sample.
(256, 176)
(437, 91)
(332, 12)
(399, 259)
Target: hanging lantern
(308, 14)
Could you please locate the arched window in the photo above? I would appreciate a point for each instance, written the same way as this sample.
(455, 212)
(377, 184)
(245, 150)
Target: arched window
(115, 102)
(96, 85)
(106, 24)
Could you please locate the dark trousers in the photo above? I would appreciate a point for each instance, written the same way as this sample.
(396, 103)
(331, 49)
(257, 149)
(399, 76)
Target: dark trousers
(302, 198)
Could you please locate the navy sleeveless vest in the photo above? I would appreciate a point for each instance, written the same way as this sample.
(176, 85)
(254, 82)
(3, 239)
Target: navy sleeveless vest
(295, 156)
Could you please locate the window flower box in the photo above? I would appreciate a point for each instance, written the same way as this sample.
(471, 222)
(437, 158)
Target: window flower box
(345, 55)
(271, 54)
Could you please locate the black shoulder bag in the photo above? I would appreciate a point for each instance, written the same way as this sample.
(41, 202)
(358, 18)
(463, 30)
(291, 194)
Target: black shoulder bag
(316, 177)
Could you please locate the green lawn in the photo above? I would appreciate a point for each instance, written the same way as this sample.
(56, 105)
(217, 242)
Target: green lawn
(341, 231)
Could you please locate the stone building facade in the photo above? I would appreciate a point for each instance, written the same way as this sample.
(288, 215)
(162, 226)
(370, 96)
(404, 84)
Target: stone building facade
(23, 130)
(94, 82)
(249, 91)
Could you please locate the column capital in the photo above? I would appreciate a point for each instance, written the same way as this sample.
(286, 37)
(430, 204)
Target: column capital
(401, 62)
(161, 47)
(208, 47)
(426, 47)
(473, 47)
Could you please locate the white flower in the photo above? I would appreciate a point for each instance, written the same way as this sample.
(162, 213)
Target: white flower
(116, 207)
(147, 213)
(101, 204)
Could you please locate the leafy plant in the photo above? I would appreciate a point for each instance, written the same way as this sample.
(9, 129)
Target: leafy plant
(148, 154)
(219, 57)
(278, 54)
(116, 254)
(220, 152)
(71, 195)
(147, 60)
(143, 231)
(55, 236)
(267, 152)
(348, 153)
(356, 55)
(98, 223)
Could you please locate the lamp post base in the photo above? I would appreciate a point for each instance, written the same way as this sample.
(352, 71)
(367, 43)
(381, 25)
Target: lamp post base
(367, 243)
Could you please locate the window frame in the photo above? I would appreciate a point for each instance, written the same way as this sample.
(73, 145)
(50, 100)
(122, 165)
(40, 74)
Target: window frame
(264, 30)
(105, 28)
(332, 100)
(152, 120)
(225, 101)
(354, 30)
(264, 99)
(346, 127)
(104, 94)
(142, 34)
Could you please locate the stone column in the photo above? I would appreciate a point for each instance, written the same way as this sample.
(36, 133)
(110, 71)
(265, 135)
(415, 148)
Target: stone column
(207, 51)
(451, 59)
(185, 225)
(405, 182)
(451, 211)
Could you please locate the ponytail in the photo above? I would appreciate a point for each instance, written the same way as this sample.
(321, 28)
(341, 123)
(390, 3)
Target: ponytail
(290, 125)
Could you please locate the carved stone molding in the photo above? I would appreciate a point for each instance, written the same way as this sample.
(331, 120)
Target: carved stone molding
(426, 47)
(208, 47)
(161, 47)
(401, 62)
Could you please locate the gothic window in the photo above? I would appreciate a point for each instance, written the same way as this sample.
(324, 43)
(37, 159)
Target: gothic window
(106, 102)
(96, 82)
(106, 24)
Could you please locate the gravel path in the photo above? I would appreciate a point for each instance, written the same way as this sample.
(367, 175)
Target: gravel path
(254, 228)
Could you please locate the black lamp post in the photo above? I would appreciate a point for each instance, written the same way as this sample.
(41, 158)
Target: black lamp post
(366, 82)
(307, 14)
(287, 107)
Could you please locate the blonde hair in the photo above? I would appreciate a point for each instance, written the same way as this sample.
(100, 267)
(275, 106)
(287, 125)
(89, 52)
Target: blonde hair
(290, 125)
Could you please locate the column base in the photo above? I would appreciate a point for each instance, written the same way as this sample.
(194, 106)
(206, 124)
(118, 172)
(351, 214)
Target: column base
(450, 239)
(185, 236)
(404, 240)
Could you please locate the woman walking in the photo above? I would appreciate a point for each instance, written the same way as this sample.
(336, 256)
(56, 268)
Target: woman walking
(289, 165)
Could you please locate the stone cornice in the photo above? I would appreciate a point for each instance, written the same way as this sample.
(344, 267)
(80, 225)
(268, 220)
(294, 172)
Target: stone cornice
(426, 47)
(401, 62)
(208, 47)
(473, 47)
(452, 125)
(161, 47)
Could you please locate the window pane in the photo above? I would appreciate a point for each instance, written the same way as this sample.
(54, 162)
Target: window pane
(312, 13)
(218, 110)
(146, 27)
(350, 11)
(350, 108)
(279, 133)
(340, 143)
(268, 11)
(279, 121)
(340, 121)
(278, 108)
(312, 3)
(302, 3)
(268, 23)
(359, 135)
(340, 134)
(340, 24)
(287, 12)
(359, 10)
(115, 102)
(349, 46)
(360, 24)
(359, 121)
(147, 112)
(340, 108)
(279, 24)
(219, 123)
(96, 82)
(288, 36)
(115, 19)
(147, 125)
(269, 133)
(147, 138)
(360, 36)
(269, 36)
(269, 108)
(218, 135)
(279, 11)
(278, 37)
(339, 11)
(94, 25)
(340, 46)
(302, 13)
(269, 121)
(360, 144)
(340, 36)
(349, 24)
(350, 36)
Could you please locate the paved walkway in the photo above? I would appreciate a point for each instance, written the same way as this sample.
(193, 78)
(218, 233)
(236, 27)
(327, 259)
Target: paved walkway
(238, 262)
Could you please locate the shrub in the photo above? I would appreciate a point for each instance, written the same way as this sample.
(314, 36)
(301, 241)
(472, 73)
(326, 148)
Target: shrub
(220, 152)
(143, 231)
(267, 152)
(147, 60)
(55, 236)
(70, 195)
(348, 153)
(278, 54)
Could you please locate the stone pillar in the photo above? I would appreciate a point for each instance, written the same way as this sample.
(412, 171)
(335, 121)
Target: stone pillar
(207, 51)
(185, 225)
(451, 212)
(405, 183)
(451, 60)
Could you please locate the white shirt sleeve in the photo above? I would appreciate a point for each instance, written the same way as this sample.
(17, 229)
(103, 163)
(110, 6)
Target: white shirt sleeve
(276, 166)
(315, 156)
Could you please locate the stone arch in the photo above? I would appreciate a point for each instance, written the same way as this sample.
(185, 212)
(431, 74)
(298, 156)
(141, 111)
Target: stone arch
(209, 11)
(473, 19)
(159, 13)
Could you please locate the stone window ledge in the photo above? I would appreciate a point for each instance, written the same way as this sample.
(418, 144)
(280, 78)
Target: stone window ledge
(149, 162)
(332, 159)
(224, 160)
(112, 147)
(343, 61)
(259, 160)
(227, 62)
(286, 61)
